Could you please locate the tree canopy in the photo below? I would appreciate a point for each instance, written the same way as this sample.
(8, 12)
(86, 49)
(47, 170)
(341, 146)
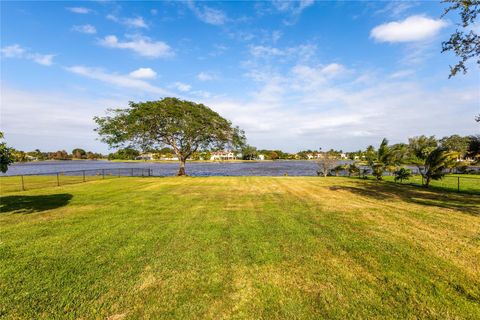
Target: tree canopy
(185, 126)
(465, 43)
(6, 157)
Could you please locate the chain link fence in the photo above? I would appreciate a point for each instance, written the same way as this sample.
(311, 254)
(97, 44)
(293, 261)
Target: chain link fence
(56, 179)
(458, 183)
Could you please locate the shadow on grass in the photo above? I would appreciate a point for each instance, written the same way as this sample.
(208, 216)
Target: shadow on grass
(31, 204)
(385, 191)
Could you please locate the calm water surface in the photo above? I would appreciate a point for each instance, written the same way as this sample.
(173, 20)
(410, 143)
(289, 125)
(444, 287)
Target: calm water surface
(259, 168)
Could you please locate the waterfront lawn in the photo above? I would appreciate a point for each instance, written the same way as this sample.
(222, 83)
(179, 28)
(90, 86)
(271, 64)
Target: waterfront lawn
(469, 183)
(243, 247)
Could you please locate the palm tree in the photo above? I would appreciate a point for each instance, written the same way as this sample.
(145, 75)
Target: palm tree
(352, 169)
(382, 159)
(435, 165)
(338, 168)
(402, 174)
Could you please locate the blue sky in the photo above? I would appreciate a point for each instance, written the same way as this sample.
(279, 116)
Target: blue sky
(294, 75)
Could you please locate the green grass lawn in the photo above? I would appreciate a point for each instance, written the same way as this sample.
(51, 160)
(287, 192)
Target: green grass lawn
(243, 247)
(469, 183)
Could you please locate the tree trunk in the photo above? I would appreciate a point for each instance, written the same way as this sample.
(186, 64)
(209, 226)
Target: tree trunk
(181, 169)
(427, 182)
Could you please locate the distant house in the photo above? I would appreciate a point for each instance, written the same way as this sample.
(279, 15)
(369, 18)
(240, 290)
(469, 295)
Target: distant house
(316, 155)
(261, 157)
(223, 155)
(343, 156)
(169, 158)
(145, 156)
(30, 158)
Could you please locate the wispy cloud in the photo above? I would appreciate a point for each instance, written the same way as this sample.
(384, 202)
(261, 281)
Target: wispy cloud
(141, 45)
(51, 115)
(206, 76)
(264, 52)
(208, 14)
(17, 51)
(331, 112)
(412, 29)
(143, 73)
(79, 10)
(396, 8)
(293, 8)
(182, 87)
(137, 22)
(119, 80)
(85, 28)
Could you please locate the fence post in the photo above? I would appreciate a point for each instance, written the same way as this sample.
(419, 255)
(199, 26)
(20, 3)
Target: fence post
(58, 180)
(150, 172)
(103, 173)
(83, 175)
(23, 184)
(132, 172)
(458, 184)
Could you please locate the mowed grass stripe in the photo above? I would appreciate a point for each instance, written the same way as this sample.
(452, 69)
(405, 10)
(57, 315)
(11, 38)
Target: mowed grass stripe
(245, 247)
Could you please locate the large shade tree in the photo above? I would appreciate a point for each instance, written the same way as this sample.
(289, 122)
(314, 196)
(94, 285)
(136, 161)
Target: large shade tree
(185, 126)
(464, 42)
(6, 156)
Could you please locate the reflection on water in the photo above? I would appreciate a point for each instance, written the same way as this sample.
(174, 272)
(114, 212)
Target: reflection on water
(258, 168)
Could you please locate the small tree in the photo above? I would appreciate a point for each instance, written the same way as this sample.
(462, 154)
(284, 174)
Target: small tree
(79, 153)
(6, 157)
(338, 169)
(473, 149)
(353, 169)
(402, 174)
(185, 126)
(326, 163)
(434, 166)
(380, 160)
(249, 153)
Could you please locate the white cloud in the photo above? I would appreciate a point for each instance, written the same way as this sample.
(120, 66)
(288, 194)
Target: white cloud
(141, 45)
(205, 76)
(16, 51)
(118, 80)
(182, 87)
(43, 59)
(396, 8)
(413, 28)
(207, 14)
(402, 73)
(80, 10)
(292, 112)
(137, 22)
(260, 51)
(49, 120)
(143, 73)
(333, 69)
(293, 8)
(85, 28)
(13, 51)
(302, 51)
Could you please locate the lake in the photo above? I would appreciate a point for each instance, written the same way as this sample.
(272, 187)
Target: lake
(254, 168)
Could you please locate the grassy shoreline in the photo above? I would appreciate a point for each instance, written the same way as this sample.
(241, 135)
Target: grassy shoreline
(243, 247)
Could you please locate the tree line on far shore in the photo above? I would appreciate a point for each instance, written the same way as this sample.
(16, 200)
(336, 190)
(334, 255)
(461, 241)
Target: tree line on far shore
(37, 155)
(433, 158)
